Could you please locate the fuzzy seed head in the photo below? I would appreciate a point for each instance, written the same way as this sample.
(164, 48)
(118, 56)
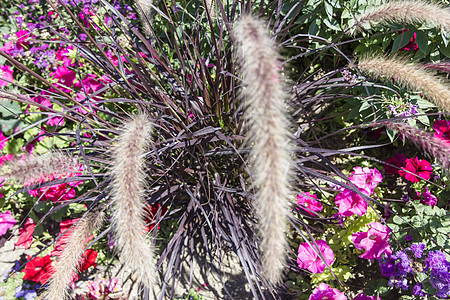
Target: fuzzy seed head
(268, 135)
(409, 12)
(128, 204)
(413, 77)
(71, 256)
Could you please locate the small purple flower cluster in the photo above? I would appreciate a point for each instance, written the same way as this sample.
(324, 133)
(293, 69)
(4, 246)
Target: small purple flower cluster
(44, 59)
(403, 110)
(27, 291)
(402, 265)
(440, 273)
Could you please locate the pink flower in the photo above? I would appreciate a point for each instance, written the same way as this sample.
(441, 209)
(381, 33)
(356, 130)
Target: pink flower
(420, 169)
(308, 259)
(6, 222)
(324, 291)
(5, 75)
(397, 160)
(55, 121)
(350, 203)
(3, 140)
(366, 179)
(64, 75)
(26, 235)
(308, 203)
(442, 128)
(375, 241)
(58, 192)
(428, 198)
(365, 297)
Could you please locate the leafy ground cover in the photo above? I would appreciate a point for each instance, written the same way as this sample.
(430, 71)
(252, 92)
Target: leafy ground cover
(366, 104)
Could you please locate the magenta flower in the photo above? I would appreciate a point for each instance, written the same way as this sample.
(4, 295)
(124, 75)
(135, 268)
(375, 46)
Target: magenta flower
(365, 297)
(308, 259)
(366, 179)
(6, 222)
(375, 241)
(428, 198)
(5, 75)
(420, 169)
(308, 202)
(3, 140)
(397, 160)
(350, 203)
(442, 128)
(64, 75)
(324, 291)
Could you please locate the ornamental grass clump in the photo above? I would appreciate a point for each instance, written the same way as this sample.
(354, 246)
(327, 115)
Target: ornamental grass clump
(268, 136)
(127, 188)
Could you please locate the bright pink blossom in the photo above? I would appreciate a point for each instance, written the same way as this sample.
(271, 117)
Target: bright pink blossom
(308, 259)
(3, 140)
(6, 222)
(418, 170)
(366, 179)
(6, 75)
(64, 75)
(442, 128)
(350, 203)
(308, 202)
(398, 160)
(375, 241)
(365, 297)
(26, 235)
(324, 291)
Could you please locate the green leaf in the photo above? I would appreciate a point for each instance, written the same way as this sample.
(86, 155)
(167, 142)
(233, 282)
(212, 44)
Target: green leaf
(401, 41)
(422, 41)
(445, 50)
(314, 27)
(332, 24)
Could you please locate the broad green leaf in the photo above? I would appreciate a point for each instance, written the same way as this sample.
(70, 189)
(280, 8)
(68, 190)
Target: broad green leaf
(401, 40)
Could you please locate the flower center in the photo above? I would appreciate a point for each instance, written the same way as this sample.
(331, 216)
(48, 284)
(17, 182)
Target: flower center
(373, 237)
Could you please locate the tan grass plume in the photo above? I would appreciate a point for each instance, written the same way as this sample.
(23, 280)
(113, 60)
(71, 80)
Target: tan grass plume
(268, 135)
(71, 255)
(435, 147)
(31, 167)
(406, 11)
(411, 76)
(128, 183)
(211, 8)
(144, 8)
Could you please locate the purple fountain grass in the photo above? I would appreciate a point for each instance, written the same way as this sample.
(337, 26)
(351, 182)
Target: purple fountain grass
(411, 76)
(128, 204)
(71, 256)
(406, 11)
(268, 132)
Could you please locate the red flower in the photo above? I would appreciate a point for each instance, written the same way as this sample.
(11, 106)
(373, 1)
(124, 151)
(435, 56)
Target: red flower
(442, 128)
(420, 169)
(150, 215)
(39, 269)
(397, 160)
(88, 260)
(26, 235)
